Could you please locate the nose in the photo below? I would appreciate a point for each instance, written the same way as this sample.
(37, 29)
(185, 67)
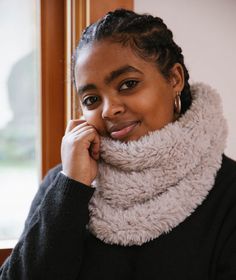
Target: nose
(112, 107)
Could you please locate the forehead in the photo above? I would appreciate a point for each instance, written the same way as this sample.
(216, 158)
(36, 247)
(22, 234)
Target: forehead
(97, 51)
(101, 58)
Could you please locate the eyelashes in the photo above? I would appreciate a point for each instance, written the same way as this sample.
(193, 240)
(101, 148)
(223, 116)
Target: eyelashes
(90, 101)
(128, 84)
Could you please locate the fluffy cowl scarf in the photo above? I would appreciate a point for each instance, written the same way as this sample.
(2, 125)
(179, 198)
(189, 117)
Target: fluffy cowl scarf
(147, 187)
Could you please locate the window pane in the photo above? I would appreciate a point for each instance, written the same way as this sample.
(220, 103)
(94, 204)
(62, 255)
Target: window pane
(19, 118)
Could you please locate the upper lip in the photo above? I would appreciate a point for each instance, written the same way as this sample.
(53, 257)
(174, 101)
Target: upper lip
(116, 127)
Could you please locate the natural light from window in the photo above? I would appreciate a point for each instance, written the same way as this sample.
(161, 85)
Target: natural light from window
(19, 125)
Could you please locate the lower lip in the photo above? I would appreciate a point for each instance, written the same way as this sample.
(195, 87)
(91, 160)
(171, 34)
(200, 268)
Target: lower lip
(123, 132)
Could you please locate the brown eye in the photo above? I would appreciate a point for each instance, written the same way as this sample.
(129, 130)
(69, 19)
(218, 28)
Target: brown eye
(90, 100)
(128, 84)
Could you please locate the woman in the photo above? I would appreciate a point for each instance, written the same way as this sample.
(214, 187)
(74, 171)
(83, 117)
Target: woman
(144, 190)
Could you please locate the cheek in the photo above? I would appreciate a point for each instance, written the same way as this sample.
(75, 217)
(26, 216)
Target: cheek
(157, 114)
(93, 118)
(90, 117)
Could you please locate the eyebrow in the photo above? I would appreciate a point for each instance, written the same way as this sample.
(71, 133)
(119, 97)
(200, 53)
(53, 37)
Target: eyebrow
(84, 88)
(111, 77)
(118, 72)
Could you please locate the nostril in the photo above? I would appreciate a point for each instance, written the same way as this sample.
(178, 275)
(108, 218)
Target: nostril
(112, 110)
(118, 112)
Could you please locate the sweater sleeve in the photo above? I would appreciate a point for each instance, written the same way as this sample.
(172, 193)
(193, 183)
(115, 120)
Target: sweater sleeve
(51, 245)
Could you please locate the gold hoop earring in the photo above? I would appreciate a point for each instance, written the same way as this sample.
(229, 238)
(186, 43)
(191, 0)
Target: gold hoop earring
(177, 103)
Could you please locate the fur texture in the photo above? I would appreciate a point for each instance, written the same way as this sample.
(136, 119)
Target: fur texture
(147, 187)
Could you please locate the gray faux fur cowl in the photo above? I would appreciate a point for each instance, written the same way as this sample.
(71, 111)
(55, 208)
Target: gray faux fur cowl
(147, 187)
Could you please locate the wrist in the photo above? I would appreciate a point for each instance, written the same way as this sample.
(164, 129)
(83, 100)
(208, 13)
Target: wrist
(79, 179)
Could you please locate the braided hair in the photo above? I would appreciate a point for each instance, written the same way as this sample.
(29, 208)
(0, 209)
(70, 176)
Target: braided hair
(148, 36)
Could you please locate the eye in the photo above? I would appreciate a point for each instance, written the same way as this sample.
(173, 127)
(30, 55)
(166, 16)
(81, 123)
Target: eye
(90, 100)
(128, 84)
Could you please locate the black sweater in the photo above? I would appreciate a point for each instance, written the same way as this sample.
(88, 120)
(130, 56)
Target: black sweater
(56, 245)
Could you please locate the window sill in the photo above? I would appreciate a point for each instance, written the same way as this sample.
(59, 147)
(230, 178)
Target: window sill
(6, 247)
(8, 244)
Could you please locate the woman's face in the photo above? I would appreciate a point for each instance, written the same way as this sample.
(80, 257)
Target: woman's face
(123, 96)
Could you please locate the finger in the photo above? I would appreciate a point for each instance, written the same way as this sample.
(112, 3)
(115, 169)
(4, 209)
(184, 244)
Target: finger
(88, 135)
(72, 124)
(95, 147)
(80, 129)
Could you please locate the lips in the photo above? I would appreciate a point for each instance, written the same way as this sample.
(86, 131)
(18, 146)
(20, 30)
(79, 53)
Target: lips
(122, 130)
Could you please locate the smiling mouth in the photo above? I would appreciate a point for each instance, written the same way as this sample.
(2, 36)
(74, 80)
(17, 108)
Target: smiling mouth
(122, 132)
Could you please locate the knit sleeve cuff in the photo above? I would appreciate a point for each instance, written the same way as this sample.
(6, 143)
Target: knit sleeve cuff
(72, 187)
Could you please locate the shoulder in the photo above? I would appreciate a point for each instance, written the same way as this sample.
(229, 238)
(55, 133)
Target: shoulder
(227, 173)
(229, 163)
(223, 193)
(52, 173)
(48, 180)
(45, 184)
(225, 211)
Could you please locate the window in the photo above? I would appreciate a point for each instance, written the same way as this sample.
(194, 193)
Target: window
(19, 115)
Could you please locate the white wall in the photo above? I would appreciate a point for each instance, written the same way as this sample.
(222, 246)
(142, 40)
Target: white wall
(206, 31)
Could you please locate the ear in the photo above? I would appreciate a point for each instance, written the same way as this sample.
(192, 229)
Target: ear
(177, 77)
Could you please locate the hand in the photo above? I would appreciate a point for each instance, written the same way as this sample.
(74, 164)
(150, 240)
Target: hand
(80, 151)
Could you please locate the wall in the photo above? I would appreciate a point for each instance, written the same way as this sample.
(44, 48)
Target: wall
(205, 30)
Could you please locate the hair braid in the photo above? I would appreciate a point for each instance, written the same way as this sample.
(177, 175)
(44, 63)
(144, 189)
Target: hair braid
(148, 36)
